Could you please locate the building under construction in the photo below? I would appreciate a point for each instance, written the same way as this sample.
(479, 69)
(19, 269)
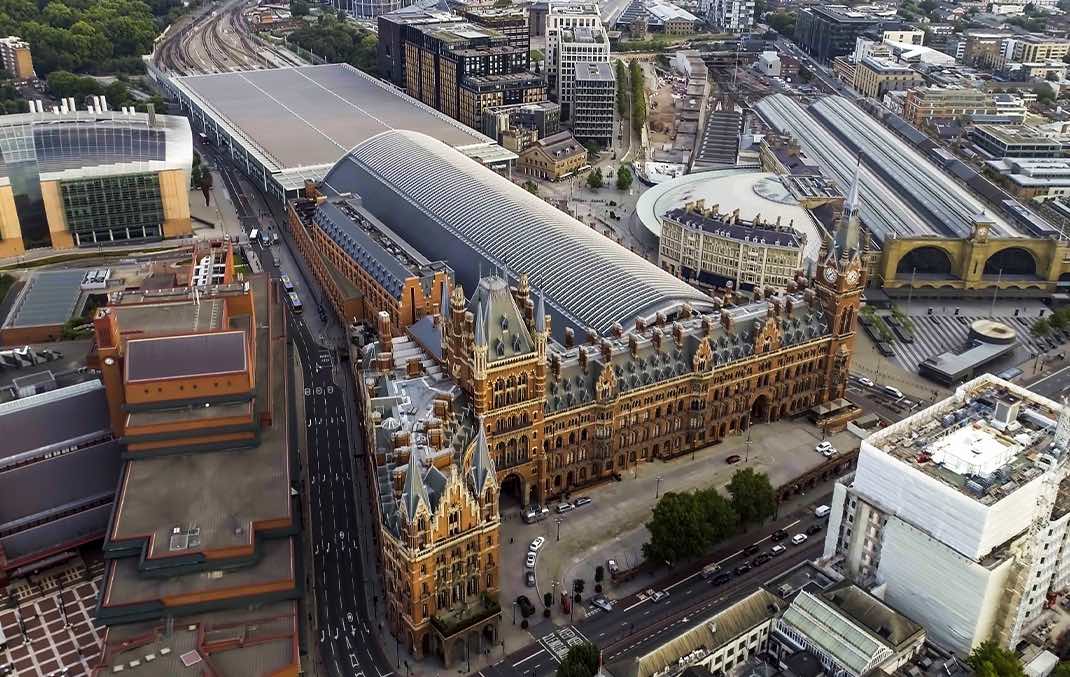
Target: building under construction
(960, 512)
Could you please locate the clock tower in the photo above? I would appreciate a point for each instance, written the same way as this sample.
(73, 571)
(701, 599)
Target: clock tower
(840, 279)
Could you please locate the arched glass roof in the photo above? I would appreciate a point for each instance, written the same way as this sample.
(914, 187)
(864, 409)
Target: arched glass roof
(450, 207)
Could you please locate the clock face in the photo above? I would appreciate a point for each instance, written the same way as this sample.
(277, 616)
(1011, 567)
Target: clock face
(830, 274)
(852, 277)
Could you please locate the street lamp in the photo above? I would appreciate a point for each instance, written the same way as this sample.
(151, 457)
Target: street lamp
(514, 613)
(657, 491)
(747, 459)
(558, 520)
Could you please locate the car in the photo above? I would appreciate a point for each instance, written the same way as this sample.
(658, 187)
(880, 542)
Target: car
(562, 508)
(526, 607)
(798, 539)
(721, 579)
(658, 596)
(830, 452)
(751, 549)
(894, 392)
(613, 567)
(865, 381)
(823, 446)
(822, 511)
(761, 559)
(536, 544)
(777, 550)
(778, 535)
(734, 458)
(813, 529)
(529, 579)
(602, 603)
(529, 561)
(582, 500)
(742, 569)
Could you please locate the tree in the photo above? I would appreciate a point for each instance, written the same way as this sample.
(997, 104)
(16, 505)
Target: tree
(677, 529)
(622, 88)
(594, 179)
(531, 187)
(1042, 327)
(760, 8)
(624, 178)
(600, 574)
(536, 55)
(782, 22)
(298, 8)
(753, 497)
(1061, 670)
(581, 661)
(989, 659)
(638, 88)
(718, 514)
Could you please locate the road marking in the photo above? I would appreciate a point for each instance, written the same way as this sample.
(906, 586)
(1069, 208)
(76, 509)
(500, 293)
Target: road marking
(722, 561)
(529, 657)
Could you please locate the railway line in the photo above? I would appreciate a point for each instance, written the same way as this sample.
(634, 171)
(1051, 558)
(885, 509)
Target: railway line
(217, 42)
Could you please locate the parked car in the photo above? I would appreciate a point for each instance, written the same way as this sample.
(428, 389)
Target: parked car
(734, 458)
(721, 579)
(602, 603)
(778, 535)
(536, 514)
(658, 596)
(798, 539)
(822, 511)
(526, 607)
(830, 452)
(865, 381)
(742, 569)
(613, 567)
(777, 550)
(564, 507)
(761, 559)
(823, 446)
(813, 529)
(894, 392)
(536, 544)
(529, 561)
(529, 578)
(582, 500)
(751, 549)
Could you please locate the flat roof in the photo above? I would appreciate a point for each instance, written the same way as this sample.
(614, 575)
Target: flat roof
(313, 115)
(49, 421)
(163, 357)
(49, 298)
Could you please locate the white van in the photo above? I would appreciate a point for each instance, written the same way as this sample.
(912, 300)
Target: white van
(822, 511)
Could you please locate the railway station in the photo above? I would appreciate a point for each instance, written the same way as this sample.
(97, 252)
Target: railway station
(286, 126)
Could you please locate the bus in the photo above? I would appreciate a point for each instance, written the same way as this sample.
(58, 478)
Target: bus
(286, 284)
(295, 302)
(254, 235)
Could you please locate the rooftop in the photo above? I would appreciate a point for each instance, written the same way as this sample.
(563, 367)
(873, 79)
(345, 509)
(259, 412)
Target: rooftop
(1033, 172)
(48, 298)
(187, 356)
(1016, 134)
(326, 110)
(39, 424)
(561, 145)
(886, 65)
(731, 227)
(986, 442)
(595, 70)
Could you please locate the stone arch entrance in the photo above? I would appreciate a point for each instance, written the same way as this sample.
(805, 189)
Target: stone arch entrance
(927, 260)
(512, 493)
(760, 411)
(1011, 261)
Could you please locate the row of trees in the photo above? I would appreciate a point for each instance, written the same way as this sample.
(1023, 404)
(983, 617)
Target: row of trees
(595, 180)
(622, 88)
(687, 525)
(1059, 319)
(338, 41)
(635, 77)
(783, 22)
(88, 36)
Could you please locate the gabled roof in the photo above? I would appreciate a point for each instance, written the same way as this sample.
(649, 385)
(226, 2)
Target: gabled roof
(502, 326)
(482, 464)
(414, 491)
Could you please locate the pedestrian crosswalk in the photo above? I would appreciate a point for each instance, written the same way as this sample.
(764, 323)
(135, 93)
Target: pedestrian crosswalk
(935, 334)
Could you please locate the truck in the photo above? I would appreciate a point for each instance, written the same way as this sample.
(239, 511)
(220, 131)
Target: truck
(711, 570)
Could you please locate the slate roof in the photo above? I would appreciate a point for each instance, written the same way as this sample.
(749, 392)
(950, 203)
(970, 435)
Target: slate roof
(741, 231)
(37, 424)
(503, 327)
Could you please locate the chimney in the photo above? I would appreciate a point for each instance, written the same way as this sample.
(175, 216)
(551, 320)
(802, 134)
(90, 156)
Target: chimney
(640, 324)
(789, 306)
(726, 322)
(656, 336)
(400, 439)
(607, 350)
(617, 330)
(592, 336)
(678, 334)
(686, 311)
(633, 345)
(659, 319)
(583, 359)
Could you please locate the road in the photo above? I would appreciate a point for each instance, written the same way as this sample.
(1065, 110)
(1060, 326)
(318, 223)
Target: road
(637, 625)
(348, 638)
(1054, 385)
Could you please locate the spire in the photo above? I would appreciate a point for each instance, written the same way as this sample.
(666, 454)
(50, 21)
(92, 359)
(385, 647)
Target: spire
(482, 463)
(480, 326)
(505, 272)
(414, 492)
(540, 314)
(444, 300)
(847, 235)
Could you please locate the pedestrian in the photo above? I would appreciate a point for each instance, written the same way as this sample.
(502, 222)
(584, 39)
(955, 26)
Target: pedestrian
(510, 540)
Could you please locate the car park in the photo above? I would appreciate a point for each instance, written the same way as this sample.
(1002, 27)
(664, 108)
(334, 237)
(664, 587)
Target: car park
(798, 539)
(734, 458)
(721, 579)
(529, 561)
(582, 500)
(658, 596)
(777, 550)
(778, 535)
(529, 578)
(536, 544)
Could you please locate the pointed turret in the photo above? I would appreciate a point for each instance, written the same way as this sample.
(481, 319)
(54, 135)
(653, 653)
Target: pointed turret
(480, 327)
(540, 314)
(482, 464)
(444, 300)
(414, 492)
(847, 232)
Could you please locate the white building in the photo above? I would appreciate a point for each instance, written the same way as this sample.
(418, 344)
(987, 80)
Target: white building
(958, 513)
(574, 33)
(730, 16)
(768, 64)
